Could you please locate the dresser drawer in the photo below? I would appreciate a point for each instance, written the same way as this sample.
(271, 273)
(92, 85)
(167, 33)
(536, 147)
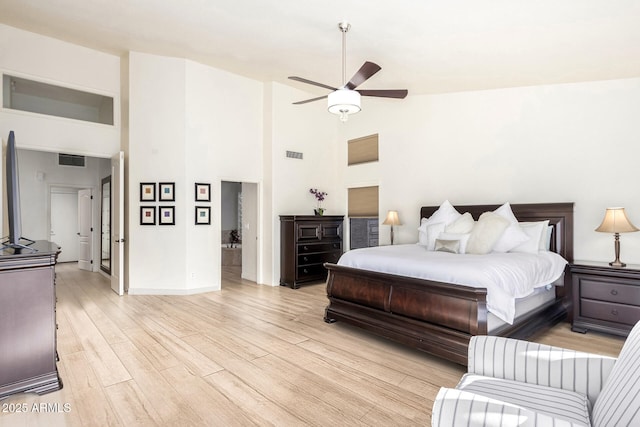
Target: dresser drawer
(619, 313)
(592, 288)
(309, 248)
(319, 258)
(309, 272)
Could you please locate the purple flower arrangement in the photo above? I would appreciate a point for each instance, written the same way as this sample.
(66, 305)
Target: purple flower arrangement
(319, 195)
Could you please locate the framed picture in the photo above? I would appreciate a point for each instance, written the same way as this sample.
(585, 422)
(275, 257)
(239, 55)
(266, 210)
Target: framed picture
(147, 191)
(166, 215)
(147, 215)
(203, 215)
(166, 191)
(203, 192)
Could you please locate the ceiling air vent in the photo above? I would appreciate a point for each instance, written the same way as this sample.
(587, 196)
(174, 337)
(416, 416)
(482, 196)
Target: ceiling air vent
(71, 160)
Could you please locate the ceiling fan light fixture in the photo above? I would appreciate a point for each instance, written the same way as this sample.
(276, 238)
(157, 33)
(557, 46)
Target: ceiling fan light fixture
(344, 102)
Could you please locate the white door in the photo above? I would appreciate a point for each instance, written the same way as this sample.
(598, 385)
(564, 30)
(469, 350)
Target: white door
(85, 229)
(117, 223)
(64, 222)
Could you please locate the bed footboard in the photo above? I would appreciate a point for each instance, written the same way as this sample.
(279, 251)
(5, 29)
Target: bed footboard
(438, 318)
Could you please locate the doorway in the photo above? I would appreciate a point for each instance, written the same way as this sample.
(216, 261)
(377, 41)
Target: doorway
(239, 230)
(71, 224)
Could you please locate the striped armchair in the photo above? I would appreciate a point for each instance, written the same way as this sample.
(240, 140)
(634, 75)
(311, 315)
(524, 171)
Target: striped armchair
(517, 383)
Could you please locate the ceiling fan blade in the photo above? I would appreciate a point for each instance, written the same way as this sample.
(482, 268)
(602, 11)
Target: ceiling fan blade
(310, 82)
(385, 93)
(367, 70)
(309, 100)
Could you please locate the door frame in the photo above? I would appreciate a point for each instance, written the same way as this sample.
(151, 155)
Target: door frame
(258, 232)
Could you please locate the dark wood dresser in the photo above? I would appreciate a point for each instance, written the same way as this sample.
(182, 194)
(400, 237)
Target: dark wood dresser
(306, 242)
(28, 320)
(605, 299)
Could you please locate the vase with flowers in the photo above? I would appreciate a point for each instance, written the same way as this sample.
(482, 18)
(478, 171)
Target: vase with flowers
(319, 195)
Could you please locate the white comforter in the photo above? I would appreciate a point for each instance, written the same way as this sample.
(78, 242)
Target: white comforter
(506, 276)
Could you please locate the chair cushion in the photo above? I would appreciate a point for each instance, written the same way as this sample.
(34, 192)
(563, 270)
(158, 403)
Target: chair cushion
(557, 403)
(619, 402)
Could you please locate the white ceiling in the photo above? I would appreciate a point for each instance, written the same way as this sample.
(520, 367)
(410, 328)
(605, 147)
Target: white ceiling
(425, 46)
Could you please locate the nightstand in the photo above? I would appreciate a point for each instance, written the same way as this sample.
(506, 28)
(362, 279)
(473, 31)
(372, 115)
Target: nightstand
(605, 298)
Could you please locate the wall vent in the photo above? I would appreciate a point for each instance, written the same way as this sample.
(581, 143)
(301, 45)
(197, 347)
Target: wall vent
(71, 160)
(294, 155)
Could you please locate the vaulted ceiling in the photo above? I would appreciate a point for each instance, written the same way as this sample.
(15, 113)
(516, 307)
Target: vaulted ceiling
(426, 46)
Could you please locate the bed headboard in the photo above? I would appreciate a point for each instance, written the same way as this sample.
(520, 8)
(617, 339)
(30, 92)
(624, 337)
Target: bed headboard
(560, 216)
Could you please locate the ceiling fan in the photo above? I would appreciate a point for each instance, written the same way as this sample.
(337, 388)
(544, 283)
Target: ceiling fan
(345, 100)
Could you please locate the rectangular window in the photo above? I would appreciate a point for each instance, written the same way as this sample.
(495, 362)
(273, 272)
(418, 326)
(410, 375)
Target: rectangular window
(363, 202)
(363, 150)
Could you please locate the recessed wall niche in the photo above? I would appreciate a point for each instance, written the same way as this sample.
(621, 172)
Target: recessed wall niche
(44, 98)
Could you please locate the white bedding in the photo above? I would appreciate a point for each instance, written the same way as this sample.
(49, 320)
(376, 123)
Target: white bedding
(506, 276)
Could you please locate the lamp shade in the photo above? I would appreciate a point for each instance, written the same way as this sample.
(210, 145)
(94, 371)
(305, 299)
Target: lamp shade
(344, 102)
(392, 218)
(616, 221)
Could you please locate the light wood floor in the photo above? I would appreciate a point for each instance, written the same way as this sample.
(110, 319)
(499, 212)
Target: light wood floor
(247, 355)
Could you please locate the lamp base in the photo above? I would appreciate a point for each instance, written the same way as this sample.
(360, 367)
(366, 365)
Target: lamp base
(617, 263)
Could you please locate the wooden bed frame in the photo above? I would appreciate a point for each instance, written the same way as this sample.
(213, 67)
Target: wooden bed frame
(440, 318)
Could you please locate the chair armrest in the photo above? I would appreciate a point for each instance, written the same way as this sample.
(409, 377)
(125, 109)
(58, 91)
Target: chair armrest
(454, 408)
(540, 364)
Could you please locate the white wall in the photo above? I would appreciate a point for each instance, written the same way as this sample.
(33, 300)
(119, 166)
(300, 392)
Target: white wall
(35, 57)
(188, 123)
(571, 142)
(308, 129)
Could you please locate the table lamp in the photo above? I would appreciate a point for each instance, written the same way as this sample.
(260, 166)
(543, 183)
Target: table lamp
(615, 221)
(392, 219)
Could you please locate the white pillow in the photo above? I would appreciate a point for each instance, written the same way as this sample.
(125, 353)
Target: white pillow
(422, 232)
(537, 232)
(433, 231)
(446, 214)
(464, 224)
(513, 236)
(486, 233)
(462, 237)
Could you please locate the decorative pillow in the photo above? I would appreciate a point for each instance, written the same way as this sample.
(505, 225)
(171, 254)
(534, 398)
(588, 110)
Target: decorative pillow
(446, 214)
(452, 246)
(513, 236)
(462, 238)
(537, 232)
(464, 224)
(486, 233)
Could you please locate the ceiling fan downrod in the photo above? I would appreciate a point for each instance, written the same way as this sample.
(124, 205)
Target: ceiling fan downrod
(344, 26)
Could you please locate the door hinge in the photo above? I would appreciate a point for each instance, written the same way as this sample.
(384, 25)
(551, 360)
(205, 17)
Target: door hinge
(91, 262)
(92, 229)
(91, 197)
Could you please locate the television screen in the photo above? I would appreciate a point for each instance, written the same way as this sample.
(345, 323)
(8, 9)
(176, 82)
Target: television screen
(13, 197)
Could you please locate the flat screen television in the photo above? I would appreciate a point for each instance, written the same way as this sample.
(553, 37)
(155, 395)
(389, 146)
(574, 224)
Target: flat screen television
(15, 239)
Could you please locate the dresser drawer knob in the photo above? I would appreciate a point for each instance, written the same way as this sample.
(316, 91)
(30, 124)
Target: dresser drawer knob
(614, 312)
(614, 292)
(306, 248)
(306, 271)
(305, 258)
